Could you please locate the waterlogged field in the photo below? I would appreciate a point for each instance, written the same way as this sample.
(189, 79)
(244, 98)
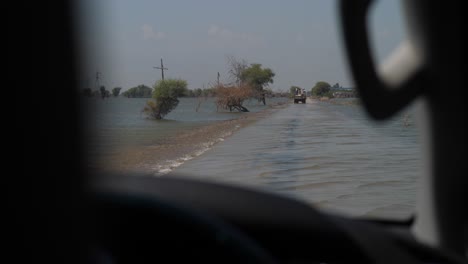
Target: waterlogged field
(125, 139)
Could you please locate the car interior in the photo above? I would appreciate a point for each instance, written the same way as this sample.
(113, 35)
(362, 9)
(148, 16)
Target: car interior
(63, 213)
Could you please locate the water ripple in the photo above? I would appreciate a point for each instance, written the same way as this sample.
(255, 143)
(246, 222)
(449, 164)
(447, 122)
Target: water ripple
(329, 155)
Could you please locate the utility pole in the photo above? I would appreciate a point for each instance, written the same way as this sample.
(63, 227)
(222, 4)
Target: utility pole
(98, 75)
(218, 79)
(162, 69)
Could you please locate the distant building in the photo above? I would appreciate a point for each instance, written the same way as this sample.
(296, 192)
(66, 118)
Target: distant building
(344, 94)
(343, 89)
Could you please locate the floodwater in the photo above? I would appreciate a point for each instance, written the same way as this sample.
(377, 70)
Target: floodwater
(119, 130)
(330, 155)
(326, 154)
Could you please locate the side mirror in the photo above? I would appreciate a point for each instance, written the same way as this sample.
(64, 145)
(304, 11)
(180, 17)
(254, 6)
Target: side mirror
(399, 81)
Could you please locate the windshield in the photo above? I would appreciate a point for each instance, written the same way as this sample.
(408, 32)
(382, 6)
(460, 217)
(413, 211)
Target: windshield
(251, 93)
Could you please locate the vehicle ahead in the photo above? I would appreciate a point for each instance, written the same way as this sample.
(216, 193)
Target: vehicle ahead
(141, 219)
(300, 96)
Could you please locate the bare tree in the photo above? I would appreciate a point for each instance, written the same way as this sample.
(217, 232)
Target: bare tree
(232, 97)
(236, 67)
(246, 82)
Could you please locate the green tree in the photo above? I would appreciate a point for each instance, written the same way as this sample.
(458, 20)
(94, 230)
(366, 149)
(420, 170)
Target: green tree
(165, 97)
(141, 91)
(116, 91)
(257, 78)
(321, 89)
(104, 93)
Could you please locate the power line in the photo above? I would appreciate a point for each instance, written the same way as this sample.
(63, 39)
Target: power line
(162, 69)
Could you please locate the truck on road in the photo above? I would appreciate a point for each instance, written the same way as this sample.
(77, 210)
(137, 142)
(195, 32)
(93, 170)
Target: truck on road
(300, 96)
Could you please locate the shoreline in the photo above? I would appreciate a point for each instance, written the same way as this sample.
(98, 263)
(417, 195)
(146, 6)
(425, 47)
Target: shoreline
(162, 158)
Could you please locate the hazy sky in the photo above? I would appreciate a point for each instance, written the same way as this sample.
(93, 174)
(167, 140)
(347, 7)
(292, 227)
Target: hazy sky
(298, 39)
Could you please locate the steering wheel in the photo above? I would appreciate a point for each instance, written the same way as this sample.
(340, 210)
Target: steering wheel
(146, 219)
(138, 229)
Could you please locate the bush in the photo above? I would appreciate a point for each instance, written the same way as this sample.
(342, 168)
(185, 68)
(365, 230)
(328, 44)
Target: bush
(232, 97)
(141, 91)
(165, 97)
(116, 91)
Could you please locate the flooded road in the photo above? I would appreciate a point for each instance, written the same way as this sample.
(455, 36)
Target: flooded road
(330, 155)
